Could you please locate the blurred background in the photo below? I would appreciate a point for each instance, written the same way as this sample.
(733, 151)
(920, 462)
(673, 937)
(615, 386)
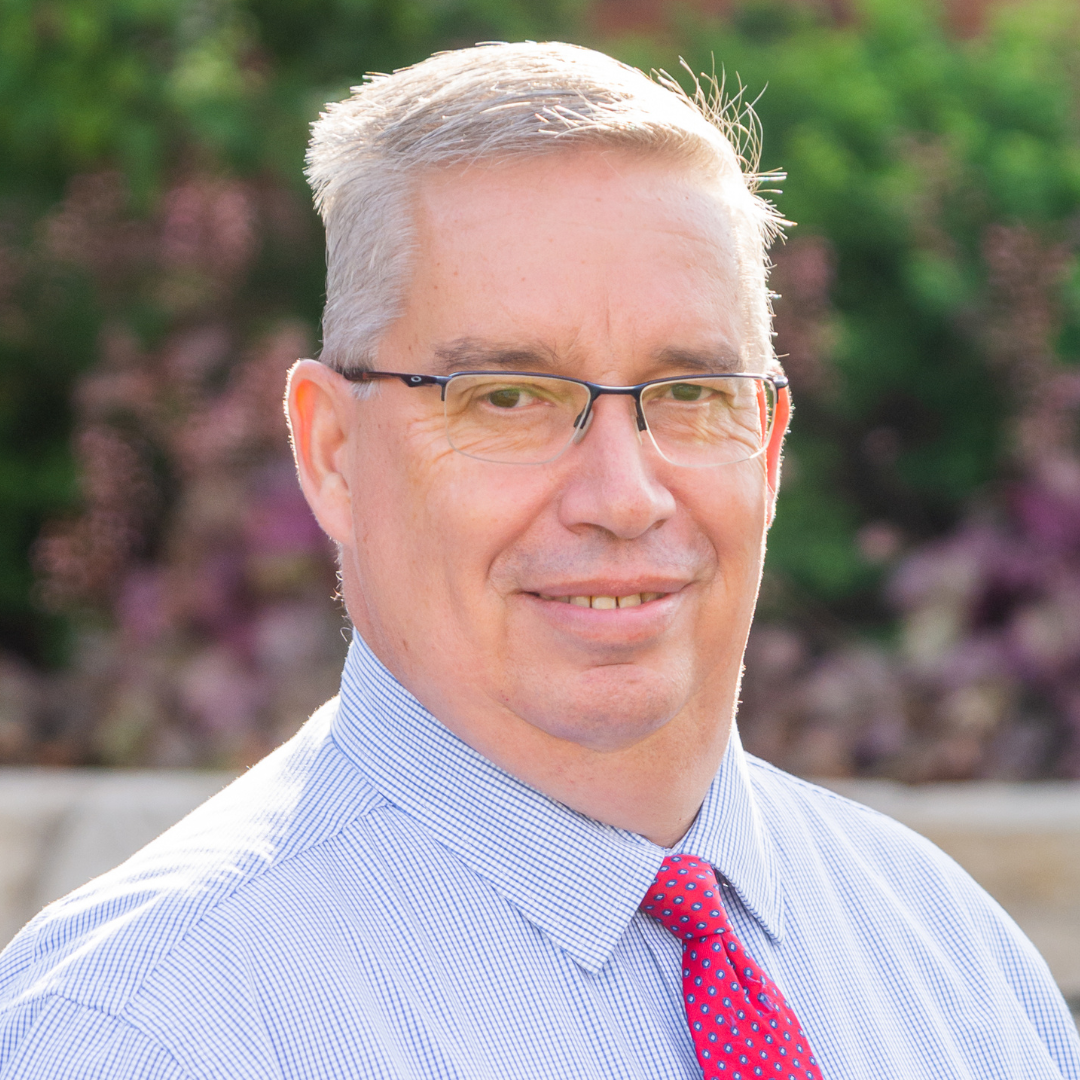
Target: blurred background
(165, 596)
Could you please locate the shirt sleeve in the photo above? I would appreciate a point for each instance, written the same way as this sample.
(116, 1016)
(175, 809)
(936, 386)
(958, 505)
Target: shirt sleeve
(1030, 979)
(52, 1038)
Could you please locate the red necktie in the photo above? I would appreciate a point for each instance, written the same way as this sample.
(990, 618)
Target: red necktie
(740, 1023)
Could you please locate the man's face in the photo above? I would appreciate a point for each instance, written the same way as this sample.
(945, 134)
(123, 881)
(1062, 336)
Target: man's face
(601, 266)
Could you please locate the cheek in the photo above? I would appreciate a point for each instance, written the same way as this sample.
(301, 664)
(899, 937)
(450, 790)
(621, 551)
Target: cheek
(394, 462)
(481, 512)
(733, 516)
(444, 519)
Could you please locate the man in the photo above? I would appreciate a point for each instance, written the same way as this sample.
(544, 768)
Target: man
(525, 842)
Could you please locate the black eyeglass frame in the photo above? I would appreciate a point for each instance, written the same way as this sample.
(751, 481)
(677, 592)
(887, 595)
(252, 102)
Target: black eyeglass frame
(581, 423)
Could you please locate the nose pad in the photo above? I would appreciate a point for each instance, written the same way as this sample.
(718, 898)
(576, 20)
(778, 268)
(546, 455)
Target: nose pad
(579, 431)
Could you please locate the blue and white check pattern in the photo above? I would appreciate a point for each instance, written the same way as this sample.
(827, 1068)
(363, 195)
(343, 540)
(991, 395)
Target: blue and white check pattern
(276, 932)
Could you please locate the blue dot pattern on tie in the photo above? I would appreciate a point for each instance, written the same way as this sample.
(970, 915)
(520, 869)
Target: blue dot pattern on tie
(741, 1025)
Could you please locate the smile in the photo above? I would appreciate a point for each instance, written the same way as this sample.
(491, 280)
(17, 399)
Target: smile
(606, 602)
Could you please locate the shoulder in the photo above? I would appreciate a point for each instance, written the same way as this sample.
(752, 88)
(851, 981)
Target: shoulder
(100, 944)
(819, 833)
(898, 880)
(796, 810)
(836, 844)
(37, 1038)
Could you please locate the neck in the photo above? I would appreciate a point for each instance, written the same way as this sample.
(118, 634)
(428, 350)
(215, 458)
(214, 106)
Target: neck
(654, 787)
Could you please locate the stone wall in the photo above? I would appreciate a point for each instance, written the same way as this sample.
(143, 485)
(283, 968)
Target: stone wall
(1020, 841)
(60, 828)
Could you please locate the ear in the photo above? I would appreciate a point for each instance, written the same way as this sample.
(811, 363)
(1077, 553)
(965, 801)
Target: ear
(776, 444)
(320, 408)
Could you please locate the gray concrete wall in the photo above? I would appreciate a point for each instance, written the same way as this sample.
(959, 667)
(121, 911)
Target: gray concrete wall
(60, 828)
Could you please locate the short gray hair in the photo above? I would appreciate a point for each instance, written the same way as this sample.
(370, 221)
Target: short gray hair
(496, 103)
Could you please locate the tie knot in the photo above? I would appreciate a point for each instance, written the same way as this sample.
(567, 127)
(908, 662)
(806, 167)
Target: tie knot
(685, 898)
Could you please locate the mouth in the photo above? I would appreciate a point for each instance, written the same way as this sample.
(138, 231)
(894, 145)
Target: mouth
(607, 603)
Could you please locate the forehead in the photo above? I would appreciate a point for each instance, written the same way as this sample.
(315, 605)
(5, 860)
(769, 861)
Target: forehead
(594, 258)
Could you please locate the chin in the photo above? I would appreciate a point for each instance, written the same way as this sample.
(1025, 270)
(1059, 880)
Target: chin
(605, 709)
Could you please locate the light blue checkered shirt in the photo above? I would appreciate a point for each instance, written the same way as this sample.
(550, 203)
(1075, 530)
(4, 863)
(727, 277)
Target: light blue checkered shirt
(377, 900)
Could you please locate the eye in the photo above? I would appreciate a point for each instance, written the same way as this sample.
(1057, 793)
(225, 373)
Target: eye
(686, 391)
(508, 397)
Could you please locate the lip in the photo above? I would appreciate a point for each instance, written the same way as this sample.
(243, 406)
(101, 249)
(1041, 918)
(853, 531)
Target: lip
(620, 627)
(609, 587)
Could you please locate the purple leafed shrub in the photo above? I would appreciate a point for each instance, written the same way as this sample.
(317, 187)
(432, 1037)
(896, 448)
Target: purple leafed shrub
(200, 585)
(983, 677)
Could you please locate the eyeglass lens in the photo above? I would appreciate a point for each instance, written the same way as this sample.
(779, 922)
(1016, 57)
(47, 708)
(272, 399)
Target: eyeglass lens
(531, 419)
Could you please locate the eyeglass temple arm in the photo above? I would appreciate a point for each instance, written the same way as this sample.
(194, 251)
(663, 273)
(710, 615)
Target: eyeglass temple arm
(363, 375)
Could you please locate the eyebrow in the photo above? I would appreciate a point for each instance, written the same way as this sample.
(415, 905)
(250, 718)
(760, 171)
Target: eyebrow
(706, 361)
(472, 355)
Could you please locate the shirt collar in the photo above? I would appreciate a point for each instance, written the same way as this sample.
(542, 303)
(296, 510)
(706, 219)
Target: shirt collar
(729, 833)
(577, 880)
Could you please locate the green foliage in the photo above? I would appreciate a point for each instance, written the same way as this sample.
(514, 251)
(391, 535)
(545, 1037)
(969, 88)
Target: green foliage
(143, 85)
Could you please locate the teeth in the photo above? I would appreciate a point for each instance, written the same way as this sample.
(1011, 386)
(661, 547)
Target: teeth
(606, 603)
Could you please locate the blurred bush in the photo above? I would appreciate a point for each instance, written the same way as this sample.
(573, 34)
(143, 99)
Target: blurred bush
(163, 589)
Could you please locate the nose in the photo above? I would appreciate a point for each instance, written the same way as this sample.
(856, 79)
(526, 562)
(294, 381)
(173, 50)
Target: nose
(612, 483)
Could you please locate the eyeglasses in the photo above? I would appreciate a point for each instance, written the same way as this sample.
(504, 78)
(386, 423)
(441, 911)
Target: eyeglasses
(519, 418)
